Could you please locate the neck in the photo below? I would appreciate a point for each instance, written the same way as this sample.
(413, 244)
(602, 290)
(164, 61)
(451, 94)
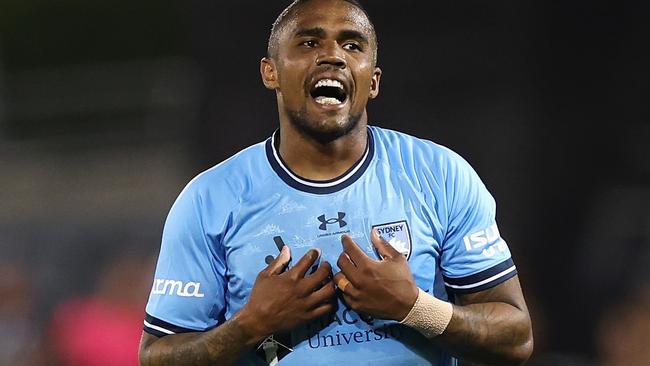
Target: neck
(315, 160)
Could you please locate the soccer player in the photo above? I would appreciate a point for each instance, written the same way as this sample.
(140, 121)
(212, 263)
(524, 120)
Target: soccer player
(334, 242)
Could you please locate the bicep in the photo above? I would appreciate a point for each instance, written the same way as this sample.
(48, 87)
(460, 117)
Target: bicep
(146, 340)
(508, 292)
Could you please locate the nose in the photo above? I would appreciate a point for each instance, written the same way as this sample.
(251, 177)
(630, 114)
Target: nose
(331, 55)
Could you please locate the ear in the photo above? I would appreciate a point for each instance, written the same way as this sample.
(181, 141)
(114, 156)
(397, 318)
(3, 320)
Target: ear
(269, 73)
(374, 83)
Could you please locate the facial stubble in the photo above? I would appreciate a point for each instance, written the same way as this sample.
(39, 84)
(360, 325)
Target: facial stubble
(318, 131)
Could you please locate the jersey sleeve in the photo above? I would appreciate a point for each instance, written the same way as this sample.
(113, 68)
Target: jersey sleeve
(188, 292)
(474, 257)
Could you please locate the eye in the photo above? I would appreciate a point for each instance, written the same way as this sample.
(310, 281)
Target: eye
(310, 43)
(351, 46)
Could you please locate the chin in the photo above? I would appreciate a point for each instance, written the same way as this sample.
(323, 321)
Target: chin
(324, 131)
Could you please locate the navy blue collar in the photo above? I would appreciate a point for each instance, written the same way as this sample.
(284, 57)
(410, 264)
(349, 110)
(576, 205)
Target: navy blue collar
(319, 186)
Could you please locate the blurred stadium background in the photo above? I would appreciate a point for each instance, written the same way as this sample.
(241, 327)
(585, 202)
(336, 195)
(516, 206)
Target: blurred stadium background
(107, 109)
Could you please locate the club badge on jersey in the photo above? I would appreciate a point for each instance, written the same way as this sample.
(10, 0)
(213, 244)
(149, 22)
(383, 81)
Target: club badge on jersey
(398, 235)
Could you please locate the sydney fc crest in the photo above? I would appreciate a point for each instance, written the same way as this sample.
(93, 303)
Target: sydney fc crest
(398, 235)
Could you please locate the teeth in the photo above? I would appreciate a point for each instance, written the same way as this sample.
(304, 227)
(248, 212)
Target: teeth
(329, 82)
(327, 101)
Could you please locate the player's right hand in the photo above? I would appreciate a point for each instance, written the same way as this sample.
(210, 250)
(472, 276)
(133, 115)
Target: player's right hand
(281, 300)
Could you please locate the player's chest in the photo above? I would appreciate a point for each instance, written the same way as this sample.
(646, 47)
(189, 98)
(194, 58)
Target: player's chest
(302, 222)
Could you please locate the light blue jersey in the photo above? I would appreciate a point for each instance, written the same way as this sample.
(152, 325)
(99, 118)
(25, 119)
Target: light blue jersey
(232, 219)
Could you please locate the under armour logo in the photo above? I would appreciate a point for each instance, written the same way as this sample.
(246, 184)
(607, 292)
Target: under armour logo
(325, 222)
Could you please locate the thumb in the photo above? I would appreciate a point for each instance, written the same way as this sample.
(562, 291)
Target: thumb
(384, 249)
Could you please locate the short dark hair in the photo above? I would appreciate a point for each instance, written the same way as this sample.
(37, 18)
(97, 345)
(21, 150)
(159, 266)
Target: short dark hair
(290, 11)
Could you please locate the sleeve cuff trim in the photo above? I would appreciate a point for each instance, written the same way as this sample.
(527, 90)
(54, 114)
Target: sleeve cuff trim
(161, 328)
(483, 282)
(480, 276)
(155, 327)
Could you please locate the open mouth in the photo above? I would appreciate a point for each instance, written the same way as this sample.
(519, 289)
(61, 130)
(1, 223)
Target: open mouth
(329, 92)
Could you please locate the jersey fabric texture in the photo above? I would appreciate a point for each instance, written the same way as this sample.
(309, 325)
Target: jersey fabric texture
(232, 219)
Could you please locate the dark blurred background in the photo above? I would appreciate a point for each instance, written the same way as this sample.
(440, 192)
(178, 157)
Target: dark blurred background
(107, 109)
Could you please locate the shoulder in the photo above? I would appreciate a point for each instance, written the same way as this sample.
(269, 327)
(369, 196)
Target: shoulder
(417, 155)
(231, 179)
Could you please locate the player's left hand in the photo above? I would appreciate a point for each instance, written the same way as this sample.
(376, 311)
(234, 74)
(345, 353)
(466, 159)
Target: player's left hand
(384, 289)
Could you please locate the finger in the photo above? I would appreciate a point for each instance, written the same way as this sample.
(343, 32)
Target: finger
(345, 264)
(384, 249)
(280, 262)
(305, 262)
(322, 310)
(323, 272)
(349, 300)
(341, 281)
(346, 286)
(358, 257)
(339, 278)
(325, 294)
(312, 283)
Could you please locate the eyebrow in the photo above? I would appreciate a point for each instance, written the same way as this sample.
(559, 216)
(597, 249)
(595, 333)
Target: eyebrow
(352, 34)
(320, 32)
(313, 32)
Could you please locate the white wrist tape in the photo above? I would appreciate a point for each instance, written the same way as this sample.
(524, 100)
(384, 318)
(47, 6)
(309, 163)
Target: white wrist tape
(429, 316)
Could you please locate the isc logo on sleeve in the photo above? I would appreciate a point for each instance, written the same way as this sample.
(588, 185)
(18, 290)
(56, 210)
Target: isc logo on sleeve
(487, 237)
(176, 288)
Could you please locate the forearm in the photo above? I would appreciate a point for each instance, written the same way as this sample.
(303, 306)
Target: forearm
(222, 345)
(492, 333)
